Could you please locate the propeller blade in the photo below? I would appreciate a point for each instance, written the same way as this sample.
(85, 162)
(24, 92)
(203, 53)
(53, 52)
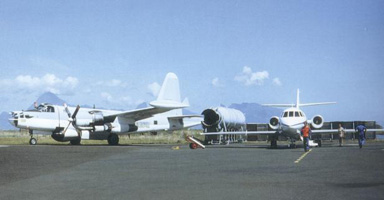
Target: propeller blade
(66, 128)
(76, 111)
(35, 104)
(67, 110)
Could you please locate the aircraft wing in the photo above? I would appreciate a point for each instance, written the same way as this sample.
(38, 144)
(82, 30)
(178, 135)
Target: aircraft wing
(241, 133)
(346, 130)
(143, 113)
(184, 116)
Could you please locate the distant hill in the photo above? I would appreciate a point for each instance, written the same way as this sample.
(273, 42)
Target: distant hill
(256, 113)
(48, 97)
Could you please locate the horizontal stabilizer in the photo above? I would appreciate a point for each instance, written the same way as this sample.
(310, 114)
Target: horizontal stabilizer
(279, 105)
(168, 104)
(316, 104)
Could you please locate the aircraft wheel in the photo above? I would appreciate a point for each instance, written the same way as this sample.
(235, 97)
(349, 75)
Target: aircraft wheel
(113, 139)
(75, 142)
(192, 145)
(273, 144)
(32, 141)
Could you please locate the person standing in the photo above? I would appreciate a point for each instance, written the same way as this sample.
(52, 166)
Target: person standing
(361, 129)
(306, 133)
(341, 135)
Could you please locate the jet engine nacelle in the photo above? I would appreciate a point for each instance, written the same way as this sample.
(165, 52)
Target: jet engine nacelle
(317, 121)
(274, 122)
(223, 119)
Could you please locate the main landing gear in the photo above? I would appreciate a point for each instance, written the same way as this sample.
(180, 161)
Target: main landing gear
(113, 139)
(75, 142)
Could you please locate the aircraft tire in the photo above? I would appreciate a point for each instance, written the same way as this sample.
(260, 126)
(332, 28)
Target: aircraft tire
(75, 142)
(113, 139)
(33, 141)
(192, 146)
(273, 144)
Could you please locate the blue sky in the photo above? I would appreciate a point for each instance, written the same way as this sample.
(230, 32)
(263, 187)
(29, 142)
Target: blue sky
(115, 53)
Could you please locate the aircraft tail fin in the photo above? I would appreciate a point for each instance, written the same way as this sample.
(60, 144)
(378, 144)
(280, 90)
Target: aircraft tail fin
(169, 95)
(170, 90)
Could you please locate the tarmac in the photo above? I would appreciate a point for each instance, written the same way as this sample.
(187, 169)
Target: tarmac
(238, 171)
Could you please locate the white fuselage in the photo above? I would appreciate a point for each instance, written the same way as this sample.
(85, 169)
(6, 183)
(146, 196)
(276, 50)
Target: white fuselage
(291, 122)
(51, 119)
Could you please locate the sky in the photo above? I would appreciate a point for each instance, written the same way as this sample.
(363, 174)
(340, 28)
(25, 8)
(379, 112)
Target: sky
(115, 54)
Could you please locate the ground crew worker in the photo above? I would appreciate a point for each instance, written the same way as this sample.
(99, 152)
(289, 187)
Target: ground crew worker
(341, 135)
(361, 129)
(306, 133)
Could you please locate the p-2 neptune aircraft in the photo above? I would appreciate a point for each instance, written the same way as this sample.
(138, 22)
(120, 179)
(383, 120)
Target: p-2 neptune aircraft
(73, 124)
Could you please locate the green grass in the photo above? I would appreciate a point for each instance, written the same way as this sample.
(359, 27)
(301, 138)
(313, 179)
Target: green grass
(175, 137)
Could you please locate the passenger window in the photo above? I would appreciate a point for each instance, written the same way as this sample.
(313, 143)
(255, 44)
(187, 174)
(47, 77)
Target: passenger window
(297, 114)
(155, 122)
(291, 114)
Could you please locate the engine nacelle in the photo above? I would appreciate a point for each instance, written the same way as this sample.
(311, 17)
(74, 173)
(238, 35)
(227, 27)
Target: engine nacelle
(96, 118)
(221, 119)
(317, 121)
(274, 122)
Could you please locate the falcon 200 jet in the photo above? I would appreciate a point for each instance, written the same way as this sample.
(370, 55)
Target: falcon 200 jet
(290, 123)
(74, 124)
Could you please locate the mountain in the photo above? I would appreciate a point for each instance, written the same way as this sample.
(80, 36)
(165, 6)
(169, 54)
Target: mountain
(48, 97)
(4, 124)
(256, 113)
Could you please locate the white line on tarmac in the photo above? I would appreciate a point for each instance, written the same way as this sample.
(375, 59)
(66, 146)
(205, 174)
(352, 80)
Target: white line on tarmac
(4, 146)
(302, 156)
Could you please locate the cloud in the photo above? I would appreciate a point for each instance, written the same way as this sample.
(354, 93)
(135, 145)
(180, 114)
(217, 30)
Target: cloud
(277, 82)
(48, 82)
(154, 88)
(125, 101)
(216, 82)
(112, 83)
(252, 78)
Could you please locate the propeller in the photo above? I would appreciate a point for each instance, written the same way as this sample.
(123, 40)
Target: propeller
(71, 119)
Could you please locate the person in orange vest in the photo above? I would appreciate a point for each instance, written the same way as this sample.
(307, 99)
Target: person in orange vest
(306, 133)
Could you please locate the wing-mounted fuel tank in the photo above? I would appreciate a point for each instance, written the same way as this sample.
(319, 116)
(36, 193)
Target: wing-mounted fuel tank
(317, 121)
(221, 119)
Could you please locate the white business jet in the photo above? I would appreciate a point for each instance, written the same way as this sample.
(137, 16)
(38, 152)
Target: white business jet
(73, 124)
(289, 124)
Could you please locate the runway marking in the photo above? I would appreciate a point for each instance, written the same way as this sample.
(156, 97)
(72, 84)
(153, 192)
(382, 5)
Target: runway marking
(4, 146)
(302, 156)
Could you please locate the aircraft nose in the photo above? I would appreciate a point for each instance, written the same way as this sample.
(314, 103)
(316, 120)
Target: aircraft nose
(13, 121)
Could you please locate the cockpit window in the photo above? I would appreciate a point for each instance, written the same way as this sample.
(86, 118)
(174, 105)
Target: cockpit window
(291, 114)
(44, 108)
(297, 114)
(285, 114)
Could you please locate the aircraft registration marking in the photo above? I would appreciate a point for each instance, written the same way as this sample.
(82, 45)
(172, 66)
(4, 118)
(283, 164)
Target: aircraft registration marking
(302, 156)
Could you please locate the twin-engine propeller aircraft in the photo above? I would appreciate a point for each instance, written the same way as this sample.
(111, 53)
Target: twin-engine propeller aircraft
(74, 124)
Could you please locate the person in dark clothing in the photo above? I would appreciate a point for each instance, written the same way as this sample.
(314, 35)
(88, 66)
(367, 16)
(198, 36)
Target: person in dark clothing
(361, 130)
